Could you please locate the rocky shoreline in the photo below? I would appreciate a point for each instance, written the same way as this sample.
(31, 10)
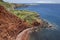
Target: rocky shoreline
(51, 25)
(15, 22)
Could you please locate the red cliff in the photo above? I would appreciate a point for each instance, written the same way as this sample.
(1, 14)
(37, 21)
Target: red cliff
(10, 25)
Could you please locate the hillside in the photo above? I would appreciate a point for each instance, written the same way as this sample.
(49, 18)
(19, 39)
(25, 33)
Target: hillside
(23, 14)
(10, 25)
(13, 22)
(32, 18)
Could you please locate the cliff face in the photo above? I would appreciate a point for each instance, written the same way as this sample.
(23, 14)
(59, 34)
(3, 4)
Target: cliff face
(10, 25)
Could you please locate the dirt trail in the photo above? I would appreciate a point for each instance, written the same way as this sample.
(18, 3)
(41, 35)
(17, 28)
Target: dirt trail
(10, 25)
(24, 35)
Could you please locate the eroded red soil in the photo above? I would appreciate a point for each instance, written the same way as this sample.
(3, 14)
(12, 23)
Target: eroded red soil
(10, 25)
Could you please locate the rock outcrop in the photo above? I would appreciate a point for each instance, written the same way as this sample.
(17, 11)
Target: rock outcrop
(10, 25)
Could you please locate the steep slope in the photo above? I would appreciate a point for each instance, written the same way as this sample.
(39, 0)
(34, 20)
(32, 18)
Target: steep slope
(10, 25)
(25, 15)
(8, 6)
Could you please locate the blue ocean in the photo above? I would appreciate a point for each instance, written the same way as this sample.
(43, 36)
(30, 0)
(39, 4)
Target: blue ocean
(50, 12)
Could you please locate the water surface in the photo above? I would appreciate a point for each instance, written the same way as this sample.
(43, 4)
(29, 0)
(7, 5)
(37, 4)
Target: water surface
(50, 12)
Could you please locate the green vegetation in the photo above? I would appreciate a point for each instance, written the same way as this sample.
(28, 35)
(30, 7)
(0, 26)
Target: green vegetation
(7, 5)
(23, 14)
(26, 15)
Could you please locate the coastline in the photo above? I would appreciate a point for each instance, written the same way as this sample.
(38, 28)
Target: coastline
(51, 25)
(20, 21)
(23, 5)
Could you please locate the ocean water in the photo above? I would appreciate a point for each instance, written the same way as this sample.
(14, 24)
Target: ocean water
(50, 12)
